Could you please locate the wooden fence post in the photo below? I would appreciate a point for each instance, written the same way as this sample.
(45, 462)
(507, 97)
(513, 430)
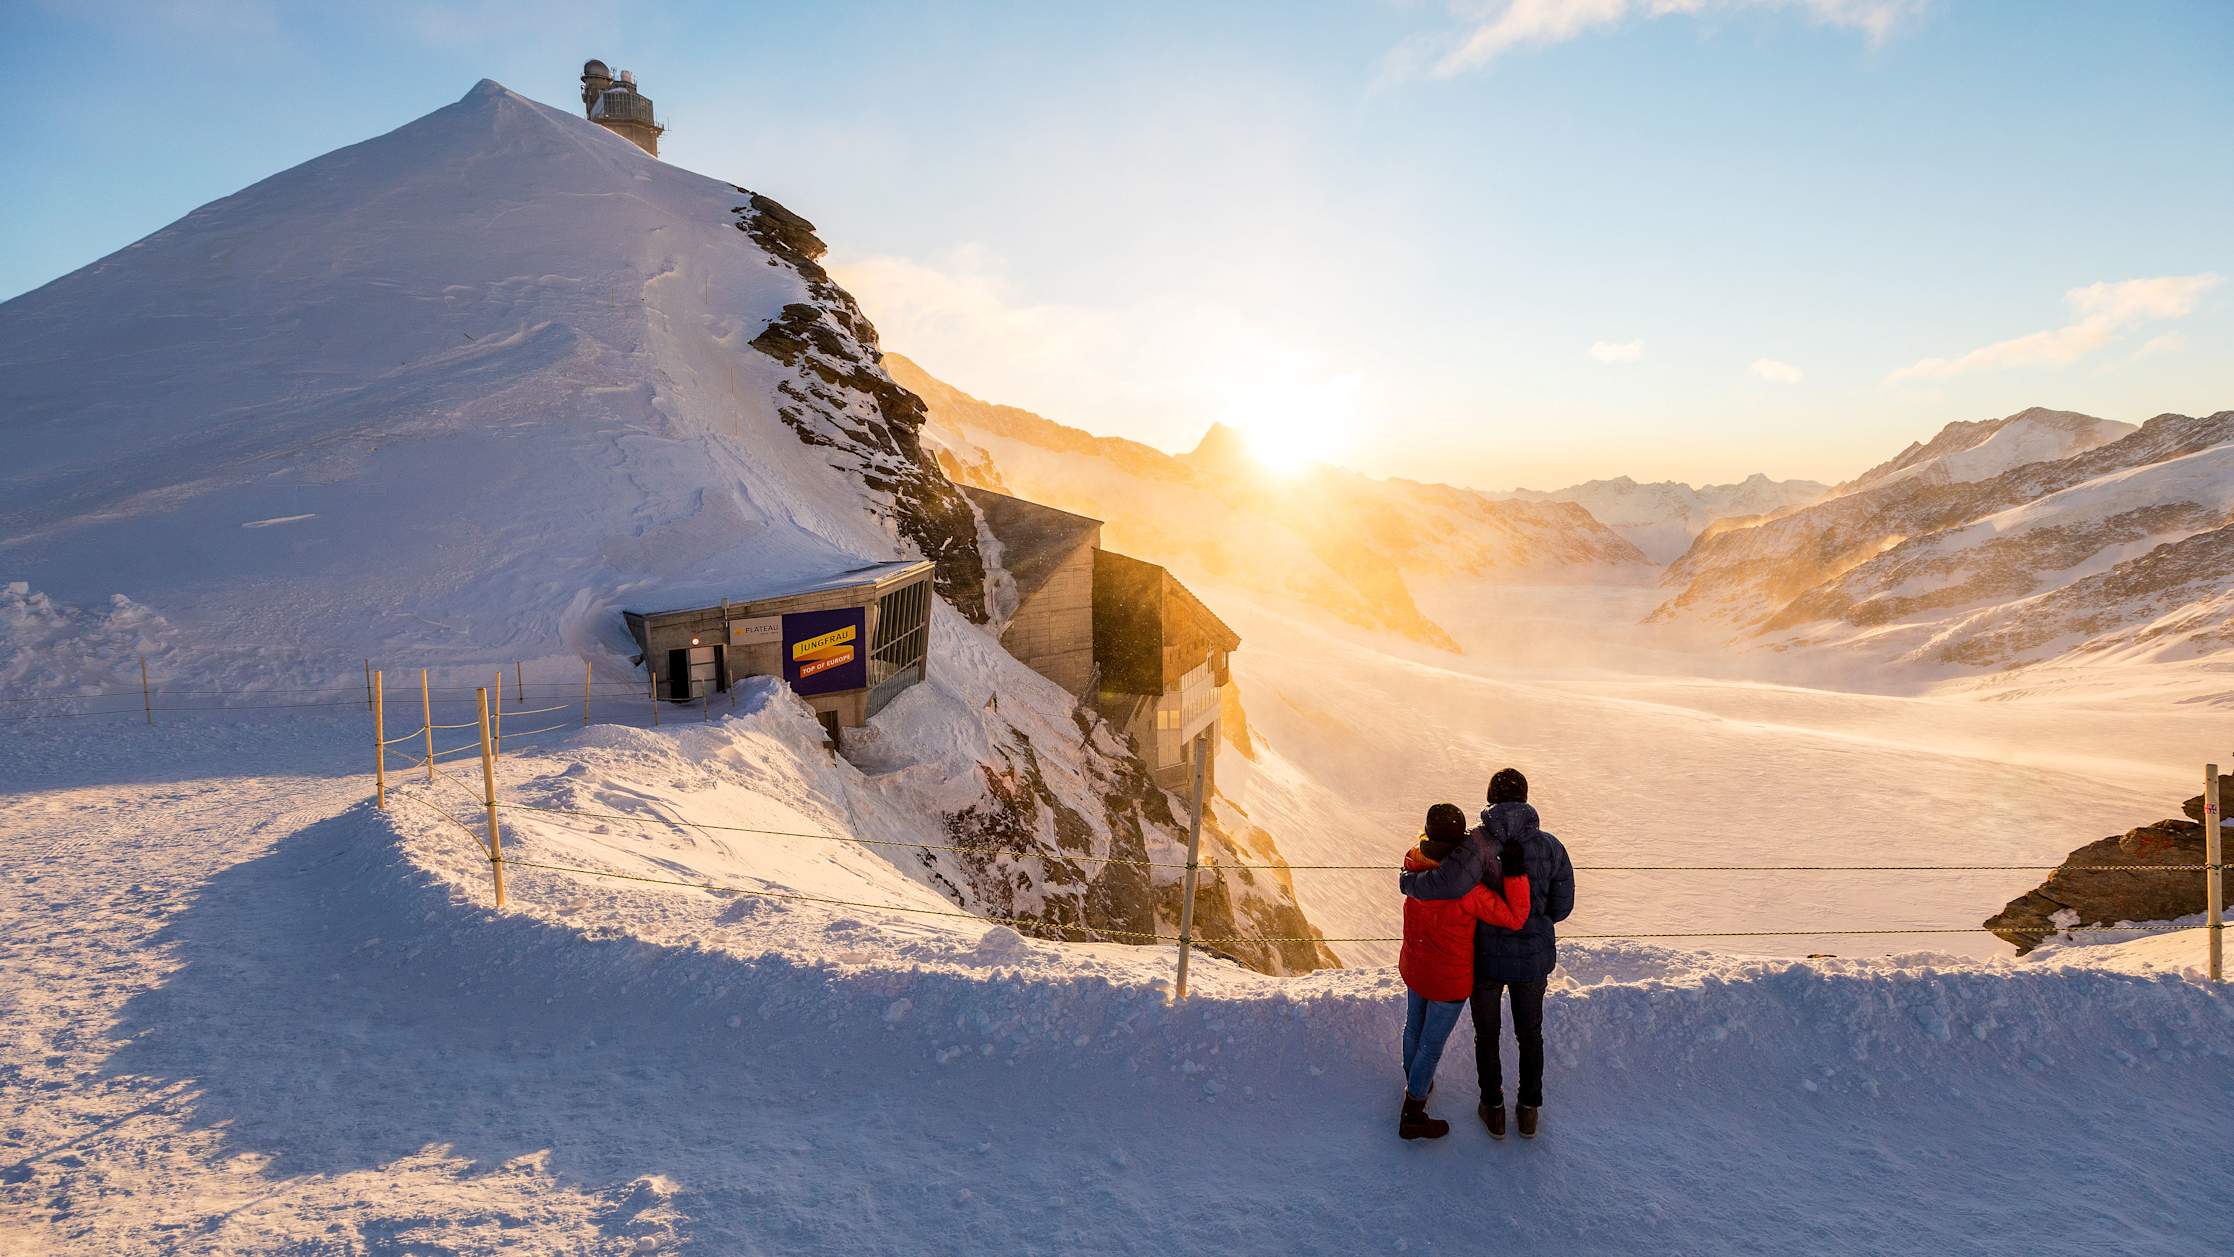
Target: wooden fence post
(496, 724)
(426, 709)
(2214, 872)
(368, 685)
(147, 696)
(587, 668)
(379, 750)
(655, 700)
(1187, 894)
(488, 796)
(519, 682)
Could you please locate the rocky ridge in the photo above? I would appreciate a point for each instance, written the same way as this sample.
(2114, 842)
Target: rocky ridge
(2065, 554)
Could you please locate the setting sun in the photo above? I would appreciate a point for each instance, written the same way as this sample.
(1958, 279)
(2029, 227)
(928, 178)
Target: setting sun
(1292, 422)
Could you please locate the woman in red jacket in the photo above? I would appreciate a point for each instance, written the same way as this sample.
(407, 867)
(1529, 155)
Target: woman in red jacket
(1438, 958)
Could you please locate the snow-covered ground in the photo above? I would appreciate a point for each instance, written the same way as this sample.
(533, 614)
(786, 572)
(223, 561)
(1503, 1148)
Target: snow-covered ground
(1643, 753)
(244, 1012)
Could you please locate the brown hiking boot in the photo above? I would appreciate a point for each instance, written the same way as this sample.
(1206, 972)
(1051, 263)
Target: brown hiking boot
(1527, 1114)
(1416, 1124)
(1493, 1116)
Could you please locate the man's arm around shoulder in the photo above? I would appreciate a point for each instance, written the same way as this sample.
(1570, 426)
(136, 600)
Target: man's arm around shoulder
(1459, 872)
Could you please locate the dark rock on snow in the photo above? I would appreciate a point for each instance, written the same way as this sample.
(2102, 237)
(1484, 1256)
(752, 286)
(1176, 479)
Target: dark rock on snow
(2105, 896)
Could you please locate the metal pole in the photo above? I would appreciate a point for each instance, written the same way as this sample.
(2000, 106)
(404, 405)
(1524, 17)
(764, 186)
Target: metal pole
(587, 668)
(2214, 874)
(426, 709)
(379, 749)
(488, 797)
(1187, 895)
(147, 696)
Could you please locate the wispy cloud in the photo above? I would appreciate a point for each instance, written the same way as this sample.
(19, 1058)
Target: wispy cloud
(1497, 28)
(1775, 372)
(1620, 353)
(2102, 312)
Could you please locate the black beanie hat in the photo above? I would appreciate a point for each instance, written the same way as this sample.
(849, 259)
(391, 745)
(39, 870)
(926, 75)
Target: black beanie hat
(1446, 823)
(1508, 786)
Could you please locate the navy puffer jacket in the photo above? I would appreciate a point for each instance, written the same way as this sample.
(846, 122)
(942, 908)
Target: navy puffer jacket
(1529, 953)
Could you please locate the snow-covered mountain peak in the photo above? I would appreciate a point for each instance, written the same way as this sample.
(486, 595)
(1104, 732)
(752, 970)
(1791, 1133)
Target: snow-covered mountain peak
(1971, 450)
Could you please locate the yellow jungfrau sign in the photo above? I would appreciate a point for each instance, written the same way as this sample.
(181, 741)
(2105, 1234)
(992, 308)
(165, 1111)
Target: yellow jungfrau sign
(814, 646)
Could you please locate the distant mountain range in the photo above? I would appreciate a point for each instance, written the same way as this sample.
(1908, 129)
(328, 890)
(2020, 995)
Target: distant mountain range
(2040, 535)
(1662, 519)
(1327, 538)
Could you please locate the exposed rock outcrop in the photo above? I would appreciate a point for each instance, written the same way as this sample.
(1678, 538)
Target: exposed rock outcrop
(1076, 886)
(840, 399)
(2081, 892)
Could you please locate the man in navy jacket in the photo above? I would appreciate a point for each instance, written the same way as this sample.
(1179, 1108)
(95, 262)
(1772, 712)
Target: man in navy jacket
(1518, 962)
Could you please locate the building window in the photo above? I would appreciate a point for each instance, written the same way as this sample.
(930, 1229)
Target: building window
(903, 631)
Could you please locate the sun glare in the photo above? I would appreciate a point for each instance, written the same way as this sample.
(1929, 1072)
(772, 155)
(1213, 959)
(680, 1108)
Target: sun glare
(1296, 423)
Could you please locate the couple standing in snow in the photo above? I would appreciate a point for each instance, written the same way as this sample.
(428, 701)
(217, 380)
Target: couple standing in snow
(1479, 911)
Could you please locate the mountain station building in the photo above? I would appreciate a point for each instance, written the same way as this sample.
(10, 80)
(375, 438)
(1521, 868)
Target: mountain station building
(1119, 633)
(847, 643)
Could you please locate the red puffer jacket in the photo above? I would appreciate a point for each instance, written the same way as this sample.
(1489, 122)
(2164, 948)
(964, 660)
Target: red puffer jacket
(1438, 957)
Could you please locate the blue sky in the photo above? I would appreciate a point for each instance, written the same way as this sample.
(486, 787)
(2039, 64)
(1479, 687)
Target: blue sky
(1491, 243)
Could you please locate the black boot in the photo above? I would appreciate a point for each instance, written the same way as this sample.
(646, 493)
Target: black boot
(1492, 1113)
(1416, 1124)
(1527, 1115)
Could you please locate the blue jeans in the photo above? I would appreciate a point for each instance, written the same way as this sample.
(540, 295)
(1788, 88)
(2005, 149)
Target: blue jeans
(1427, 1026)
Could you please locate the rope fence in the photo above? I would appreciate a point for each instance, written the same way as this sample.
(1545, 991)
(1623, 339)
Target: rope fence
(612, 699)
(1194, 864)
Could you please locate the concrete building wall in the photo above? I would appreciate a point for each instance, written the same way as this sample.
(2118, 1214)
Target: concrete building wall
(1052, 632)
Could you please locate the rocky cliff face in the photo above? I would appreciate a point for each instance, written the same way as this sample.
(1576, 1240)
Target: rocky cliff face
(839, 399)
(2083, 892)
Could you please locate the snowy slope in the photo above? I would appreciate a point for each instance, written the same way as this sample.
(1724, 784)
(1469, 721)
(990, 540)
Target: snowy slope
(283, 1022)
(463, 390)
(457, 396)
(1663, 518)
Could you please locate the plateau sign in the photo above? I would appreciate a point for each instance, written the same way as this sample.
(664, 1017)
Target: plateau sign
(822, 650)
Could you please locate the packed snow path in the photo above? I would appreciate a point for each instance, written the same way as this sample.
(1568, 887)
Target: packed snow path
(238, 1018)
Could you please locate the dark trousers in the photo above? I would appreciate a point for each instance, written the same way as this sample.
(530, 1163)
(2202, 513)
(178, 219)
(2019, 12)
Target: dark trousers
(1528, 1028)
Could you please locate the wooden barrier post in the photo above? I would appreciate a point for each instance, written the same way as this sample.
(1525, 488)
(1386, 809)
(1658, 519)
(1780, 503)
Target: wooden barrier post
(587, 669)
(519, 682)
(706, 704)
(147, 696)
(368, 685)
(655, 700)
(488, 796)
(379, 750)
(2214, 872)
(496, 723)
(1187, 893)
(426, 709)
